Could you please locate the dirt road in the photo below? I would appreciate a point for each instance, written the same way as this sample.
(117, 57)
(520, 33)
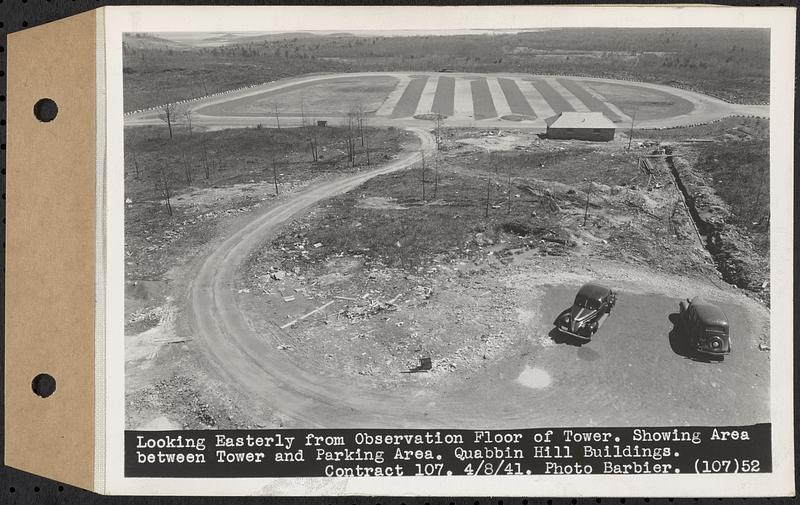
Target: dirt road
(633, 374)
(252, 361)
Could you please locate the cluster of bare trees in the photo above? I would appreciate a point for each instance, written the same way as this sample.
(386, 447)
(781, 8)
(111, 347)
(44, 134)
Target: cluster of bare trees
(356, 123)
(424, 169)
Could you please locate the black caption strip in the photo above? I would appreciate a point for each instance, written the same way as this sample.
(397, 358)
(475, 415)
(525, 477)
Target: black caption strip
(383, 453)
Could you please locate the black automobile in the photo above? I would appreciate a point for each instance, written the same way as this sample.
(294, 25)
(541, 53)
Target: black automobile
(706, 327)
(591, 308)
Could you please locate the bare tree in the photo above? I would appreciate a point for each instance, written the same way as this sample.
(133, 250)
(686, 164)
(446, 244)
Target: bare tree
(365, 143)
(351, 147)
(275, 175)
(187, 114)
(488, 188)
(135, 163)
(360, 116)
(509, 190)
(586, 208)
(439, 119)
(187, 167)
(205, 160)
(164, 189)
(167, 114)
(313, 143)
(423, 174)
(435, 175)
(277, 114)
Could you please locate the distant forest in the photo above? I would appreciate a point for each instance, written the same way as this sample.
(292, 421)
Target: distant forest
(732, 64)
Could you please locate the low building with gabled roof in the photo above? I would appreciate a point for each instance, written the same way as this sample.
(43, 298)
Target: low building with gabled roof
(580, 126)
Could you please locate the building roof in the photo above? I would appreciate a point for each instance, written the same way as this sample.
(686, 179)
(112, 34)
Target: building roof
(579, 120)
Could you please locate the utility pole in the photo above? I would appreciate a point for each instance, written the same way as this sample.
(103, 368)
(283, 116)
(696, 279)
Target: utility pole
(423, 175)
(435, 175)
(488, 187)
(275, 175)
(438, 132)
(630, 135)
(186, 167)
(205, 160)
(366, 148)
(277, 117)
(586, 208)
(509, 191)
(361, 126)
(135, 163)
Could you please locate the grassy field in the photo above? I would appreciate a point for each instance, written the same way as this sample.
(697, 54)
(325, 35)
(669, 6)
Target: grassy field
(647, 103)
(482, 102)
(329, 98)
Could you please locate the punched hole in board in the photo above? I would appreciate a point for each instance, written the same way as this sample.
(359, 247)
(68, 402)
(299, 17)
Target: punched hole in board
(43, 385)
(45, 110)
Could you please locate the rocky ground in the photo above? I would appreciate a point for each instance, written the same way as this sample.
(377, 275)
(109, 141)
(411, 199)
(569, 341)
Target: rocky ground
(386, 301)
(392, 279)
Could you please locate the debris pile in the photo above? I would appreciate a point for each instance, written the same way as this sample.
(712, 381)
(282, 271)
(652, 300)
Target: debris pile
(360, 312)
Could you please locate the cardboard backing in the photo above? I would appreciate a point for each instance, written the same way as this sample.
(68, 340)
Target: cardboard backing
(50, 250)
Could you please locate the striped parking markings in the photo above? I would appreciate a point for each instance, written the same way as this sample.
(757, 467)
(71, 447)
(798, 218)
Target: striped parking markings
(443, 100)
(540, 106)
(390, 103)
(482, 102)
(462, 100)
(616, 110)
(498, 97)
(554, 99)
(426, 99)
(587, 98)
(516, 100)
(407, 104)
(576, 104)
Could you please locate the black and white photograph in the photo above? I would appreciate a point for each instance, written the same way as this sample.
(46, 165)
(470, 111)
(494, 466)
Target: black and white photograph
(384, 229)
(465, 229)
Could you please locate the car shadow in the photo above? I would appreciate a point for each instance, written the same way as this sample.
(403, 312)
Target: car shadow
(562, 338)
(680, 345)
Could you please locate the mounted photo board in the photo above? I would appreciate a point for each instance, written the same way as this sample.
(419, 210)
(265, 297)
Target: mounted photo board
(414, 251)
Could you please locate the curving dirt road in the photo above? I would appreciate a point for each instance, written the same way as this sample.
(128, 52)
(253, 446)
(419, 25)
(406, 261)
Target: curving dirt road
(252, 361)
(632, 374)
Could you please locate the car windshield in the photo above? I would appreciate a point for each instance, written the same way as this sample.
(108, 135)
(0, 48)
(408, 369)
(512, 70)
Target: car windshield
(587, 303)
